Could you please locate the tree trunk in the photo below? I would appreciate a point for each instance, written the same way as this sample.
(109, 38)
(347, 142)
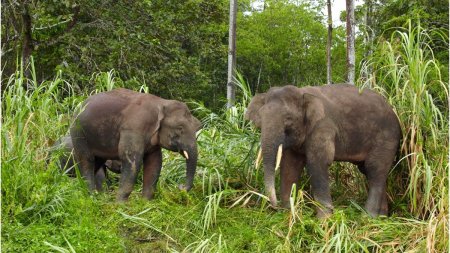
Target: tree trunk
(350, 7)
(368, 38)
(27, 40)
(231, 54)
(330, 33)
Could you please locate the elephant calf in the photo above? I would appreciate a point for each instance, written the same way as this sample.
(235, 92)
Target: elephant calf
(67, 164)
(315, 126)
(133, 127)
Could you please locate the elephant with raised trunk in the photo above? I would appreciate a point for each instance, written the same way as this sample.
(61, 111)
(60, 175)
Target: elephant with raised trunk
(133, 127)
(315, 126)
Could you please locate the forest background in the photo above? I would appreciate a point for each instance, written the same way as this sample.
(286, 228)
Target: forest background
(179, 48)
(56, 53)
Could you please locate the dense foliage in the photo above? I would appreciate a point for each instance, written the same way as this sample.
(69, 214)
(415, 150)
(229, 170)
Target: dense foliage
(177, 49)
(44, 210)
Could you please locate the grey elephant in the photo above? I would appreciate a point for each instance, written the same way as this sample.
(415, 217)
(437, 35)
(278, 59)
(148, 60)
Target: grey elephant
(315, 126)
(133, 127)
(64, 147)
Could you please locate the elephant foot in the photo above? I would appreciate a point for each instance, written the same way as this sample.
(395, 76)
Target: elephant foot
(122, 198)
(321, 214)
(324, 212)
(184, 187)
(285, 204)
(375, 212)
(149, 195)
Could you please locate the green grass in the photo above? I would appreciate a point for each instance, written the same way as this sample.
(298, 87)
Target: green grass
(407, 73)
(226, 211)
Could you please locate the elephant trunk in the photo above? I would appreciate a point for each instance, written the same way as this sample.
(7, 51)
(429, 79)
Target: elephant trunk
(271, 139)
(190, 154)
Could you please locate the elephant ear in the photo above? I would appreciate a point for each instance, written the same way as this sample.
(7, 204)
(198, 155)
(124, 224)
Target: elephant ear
(197, 124)
(143, 118)
(313, 110)
(252, 113)
(158, 114)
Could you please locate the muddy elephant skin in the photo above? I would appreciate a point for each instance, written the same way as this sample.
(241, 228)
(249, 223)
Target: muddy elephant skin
(319, 125)
(133, 127)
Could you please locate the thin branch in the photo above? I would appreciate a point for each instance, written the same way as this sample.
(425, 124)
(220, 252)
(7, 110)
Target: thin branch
(70, 26)
(51, 26)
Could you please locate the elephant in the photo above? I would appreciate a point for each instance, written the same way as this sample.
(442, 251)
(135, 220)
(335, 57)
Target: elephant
(315, 126)
(64, 146)
(132, 127)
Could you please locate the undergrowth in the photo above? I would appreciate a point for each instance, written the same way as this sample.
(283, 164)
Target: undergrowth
(226, 211)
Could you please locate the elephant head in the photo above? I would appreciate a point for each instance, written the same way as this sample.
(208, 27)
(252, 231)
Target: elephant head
(177, 133)
(284, 116)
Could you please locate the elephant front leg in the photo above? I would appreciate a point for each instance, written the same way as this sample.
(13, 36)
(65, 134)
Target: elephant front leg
(152, 170)
(130, 152)
(130, 169)
(320, 154)
(291, 167)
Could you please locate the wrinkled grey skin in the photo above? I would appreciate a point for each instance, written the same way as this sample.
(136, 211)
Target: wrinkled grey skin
(64, 146)
(319, 125)
(133, 127)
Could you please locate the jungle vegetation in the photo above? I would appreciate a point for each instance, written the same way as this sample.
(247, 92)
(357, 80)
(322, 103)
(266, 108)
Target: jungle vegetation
(56, 53)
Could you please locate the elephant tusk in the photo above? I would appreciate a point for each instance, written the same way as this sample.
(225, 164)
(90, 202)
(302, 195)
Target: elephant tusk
(279, 155)
(186, 154)
(258, 159)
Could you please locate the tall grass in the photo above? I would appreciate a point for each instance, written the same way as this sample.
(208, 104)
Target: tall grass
(25, 127)
(40, 204)
(409, 76)
(407, 73)
(226, 211)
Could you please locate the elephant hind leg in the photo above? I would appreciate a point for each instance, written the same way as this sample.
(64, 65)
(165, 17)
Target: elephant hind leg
(83, 157)
(376, 168)
(100, 173)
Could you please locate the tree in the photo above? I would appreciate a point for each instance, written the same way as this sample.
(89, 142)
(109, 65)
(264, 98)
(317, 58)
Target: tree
(23, 31)
(330, 34)
(231, 92)
(350, 8)
(285, 43)
(368, 36)
(433, 15)
(176, 48)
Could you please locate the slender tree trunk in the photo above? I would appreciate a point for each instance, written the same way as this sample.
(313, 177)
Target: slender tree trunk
(231, 54)
(330, 33)
(27, 40)
(368, 38)
(350, 41)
